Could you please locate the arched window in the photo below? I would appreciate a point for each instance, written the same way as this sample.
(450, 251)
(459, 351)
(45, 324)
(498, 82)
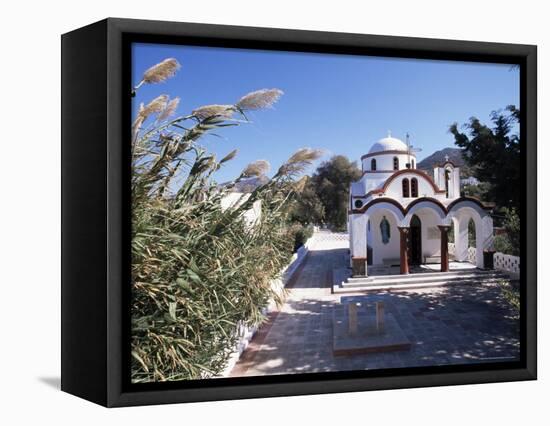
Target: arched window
(395, 163)
(405, 183)
(373, 164)
(412, 164)
(447, 177)
(471, 233)
(414, 188)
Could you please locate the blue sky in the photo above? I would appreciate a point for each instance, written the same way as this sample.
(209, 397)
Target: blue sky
(340, 103)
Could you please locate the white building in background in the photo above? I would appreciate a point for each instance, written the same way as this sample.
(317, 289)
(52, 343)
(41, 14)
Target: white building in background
(236, 199)
(472, 180)
(399, 215)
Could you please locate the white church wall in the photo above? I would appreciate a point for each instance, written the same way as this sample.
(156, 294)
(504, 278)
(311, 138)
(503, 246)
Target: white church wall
(461, 239)
(438, 177)
(463, 213)
(454, 181)
(370, 240)
(425, 189)
(381, 251)
(431, 236)
(371, 181)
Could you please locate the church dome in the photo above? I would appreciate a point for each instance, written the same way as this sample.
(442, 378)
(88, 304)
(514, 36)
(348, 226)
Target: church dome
(388, 144)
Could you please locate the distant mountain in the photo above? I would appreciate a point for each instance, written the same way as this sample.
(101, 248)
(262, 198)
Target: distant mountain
(438, 157)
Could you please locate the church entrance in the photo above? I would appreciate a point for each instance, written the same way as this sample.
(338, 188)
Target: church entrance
(415, 241)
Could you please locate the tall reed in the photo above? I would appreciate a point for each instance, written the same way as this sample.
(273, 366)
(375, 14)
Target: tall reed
(199, 270)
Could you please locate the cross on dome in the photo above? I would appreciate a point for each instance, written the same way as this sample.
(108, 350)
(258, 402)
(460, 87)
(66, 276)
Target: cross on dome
(446, 158)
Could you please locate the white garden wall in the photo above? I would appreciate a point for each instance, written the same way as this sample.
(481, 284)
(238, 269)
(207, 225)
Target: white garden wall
(451, 248)
(501, 262)
(472, 255)
(507, 263)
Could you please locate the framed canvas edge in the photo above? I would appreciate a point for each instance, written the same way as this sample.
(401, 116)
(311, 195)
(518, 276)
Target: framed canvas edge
(116, 394)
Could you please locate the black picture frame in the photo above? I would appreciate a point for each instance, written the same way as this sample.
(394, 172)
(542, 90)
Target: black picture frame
(96, 217)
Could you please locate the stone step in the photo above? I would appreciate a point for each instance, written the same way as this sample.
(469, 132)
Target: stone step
(410, 286)
(427, 277)
(459, 272)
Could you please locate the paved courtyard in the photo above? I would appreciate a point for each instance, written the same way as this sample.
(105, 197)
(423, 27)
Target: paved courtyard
(446, 325)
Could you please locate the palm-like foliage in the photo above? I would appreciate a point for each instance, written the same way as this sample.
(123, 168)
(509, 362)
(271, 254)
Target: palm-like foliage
(199, 270)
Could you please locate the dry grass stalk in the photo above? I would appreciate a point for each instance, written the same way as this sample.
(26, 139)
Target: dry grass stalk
(229, 156)
(169, 110)
(259, 99)
(301, 184)
(208, 111)
(299, 161)
(156, 106)
(305, 155)
(256, 168)
(161, 71)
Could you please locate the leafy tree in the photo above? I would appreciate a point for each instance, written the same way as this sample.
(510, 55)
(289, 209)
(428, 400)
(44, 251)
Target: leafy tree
(510, 241)
(494, 154)
(480, 190)
(331, 181)
(308, 209)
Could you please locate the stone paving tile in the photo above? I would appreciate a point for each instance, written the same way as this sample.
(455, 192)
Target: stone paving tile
(458, 324)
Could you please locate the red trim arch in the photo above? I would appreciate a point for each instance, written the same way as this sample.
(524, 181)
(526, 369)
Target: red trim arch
(395, 151)
(414, 172)
(378, 201)
(378, 171)
(429, 199)
(437, 203)
(399, 173)
(483, 205)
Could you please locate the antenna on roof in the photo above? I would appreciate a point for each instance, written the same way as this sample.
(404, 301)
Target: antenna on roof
(407, 138)
(410, 149)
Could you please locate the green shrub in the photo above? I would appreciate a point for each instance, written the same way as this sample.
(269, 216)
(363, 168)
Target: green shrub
(510, 241)
(510, 294)
(301, 235)
(502, 244)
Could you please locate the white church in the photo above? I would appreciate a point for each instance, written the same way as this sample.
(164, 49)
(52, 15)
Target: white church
(401, 216)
